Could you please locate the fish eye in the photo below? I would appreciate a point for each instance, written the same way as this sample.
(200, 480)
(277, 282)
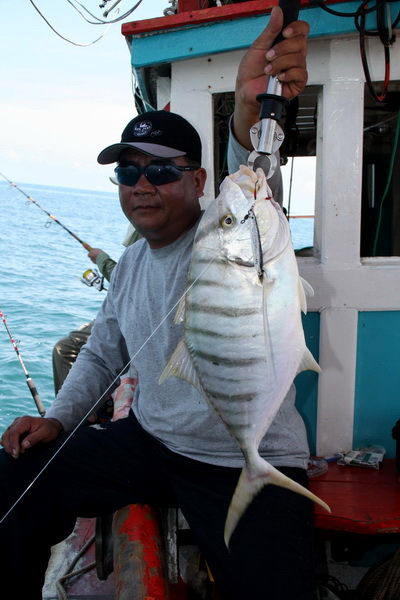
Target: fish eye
(227, 221)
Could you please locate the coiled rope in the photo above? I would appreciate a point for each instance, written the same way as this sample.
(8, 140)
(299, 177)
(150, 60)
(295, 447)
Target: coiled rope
(382, 581)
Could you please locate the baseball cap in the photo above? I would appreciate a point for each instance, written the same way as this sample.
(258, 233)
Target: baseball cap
(159, 133)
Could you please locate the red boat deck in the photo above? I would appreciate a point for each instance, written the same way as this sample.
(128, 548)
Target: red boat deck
(362, 500)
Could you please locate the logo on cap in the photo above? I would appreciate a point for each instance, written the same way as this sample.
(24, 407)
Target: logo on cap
(143, 128)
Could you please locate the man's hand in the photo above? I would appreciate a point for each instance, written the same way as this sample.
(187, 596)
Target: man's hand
(93, 254)
(287, 60)
(25, 432)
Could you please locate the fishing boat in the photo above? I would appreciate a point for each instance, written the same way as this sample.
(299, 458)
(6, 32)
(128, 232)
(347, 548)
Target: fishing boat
(347, 120)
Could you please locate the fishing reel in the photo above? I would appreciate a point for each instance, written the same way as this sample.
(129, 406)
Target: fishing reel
(92, 278)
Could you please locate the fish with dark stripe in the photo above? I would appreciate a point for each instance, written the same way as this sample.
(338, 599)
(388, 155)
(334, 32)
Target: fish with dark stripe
(244, 343)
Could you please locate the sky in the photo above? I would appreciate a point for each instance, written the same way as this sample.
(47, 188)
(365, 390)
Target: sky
(61, 104)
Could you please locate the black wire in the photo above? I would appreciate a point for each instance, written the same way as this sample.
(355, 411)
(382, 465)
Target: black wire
(337, 13)
(361, 12)
(383, 31)
(379, 8)
(378, 97)
(362, 9)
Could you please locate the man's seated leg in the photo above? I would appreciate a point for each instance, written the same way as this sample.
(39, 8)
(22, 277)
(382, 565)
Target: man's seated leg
(65, 352)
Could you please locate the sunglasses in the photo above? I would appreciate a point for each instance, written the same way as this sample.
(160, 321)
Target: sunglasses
(156, 174)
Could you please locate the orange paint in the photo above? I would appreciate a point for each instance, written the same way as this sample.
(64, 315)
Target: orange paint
(140, 550)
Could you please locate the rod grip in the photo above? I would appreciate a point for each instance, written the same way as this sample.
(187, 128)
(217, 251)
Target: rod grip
(290, 9)
(35, 396)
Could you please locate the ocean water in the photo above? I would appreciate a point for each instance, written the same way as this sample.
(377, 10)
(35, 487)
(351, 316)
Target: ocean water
(41, 294)
(302, 230)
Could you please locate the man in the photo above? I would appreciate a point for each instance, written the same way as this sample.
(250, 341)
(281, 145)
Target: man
(172, 450)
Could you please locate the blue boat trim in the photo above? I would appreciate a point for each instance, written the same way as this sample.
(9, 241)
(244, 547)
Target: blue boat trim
(169, 46)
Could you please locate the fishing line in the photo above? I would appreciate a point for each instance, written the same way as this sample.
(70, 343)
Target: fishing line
(84, 244)
(64, 38)
(97, 22)
(29, 380)
(105, 393)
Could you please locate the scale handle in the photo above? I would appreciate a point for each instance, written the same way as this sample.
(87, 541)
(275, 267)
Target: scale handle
(272, 102)
(290, 9)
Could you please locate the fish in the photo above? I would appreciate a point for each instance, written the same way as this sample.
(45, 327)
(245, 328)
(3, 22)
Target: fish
(243, 341)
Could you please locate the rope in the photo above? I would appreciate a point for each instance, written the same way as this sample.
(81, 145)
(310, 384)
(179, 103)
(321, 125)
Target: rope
(382, 581)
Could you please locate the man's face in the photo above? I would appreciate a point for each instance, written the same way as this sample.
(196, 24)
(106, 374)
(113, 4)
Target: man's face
(161, 213)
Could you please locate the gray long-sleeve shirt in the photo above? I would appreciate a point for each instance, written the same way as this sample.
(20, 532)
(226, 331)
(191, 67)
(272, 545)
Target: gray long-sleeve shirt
(135, 323)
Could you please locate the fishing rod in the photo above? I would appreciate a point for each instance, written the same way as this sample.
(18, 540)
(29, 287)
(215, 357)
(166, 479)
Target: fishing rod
(91, 277)
(84, 244)
(29, 380)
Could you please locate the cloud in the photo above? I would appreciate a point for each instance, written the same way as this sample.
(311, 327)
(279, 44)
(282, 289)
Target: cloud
(56, 142)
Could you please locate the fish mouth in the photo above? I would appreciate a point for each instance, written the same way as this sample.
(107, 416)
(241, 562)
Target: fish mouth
(241, 262)
(238, 260)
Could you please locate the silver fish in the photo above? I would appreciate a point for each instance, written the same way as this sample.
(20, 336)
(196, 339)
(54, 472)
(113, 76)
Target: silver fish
(243, 339)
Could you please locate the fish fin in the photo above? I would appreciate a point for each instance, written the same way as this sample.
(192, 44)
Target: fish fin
(270, 275)
(181, 365)
(250, 485)
(305, 289)
(180, 311)
(308, 362)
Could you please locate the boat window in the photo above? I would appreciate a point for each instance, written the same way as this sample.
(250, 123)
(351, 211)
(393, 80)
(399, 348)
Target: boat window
(223, 106)
(298, 160)
(299, 201)
(380, 214)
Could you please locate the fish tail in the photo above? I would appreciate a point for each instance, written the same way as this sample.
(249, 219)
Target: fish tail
(250, 485)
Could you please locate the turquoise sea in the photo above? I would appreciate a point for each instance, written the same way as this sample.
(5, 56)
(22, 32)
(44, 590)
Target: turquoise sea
(41, 294)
